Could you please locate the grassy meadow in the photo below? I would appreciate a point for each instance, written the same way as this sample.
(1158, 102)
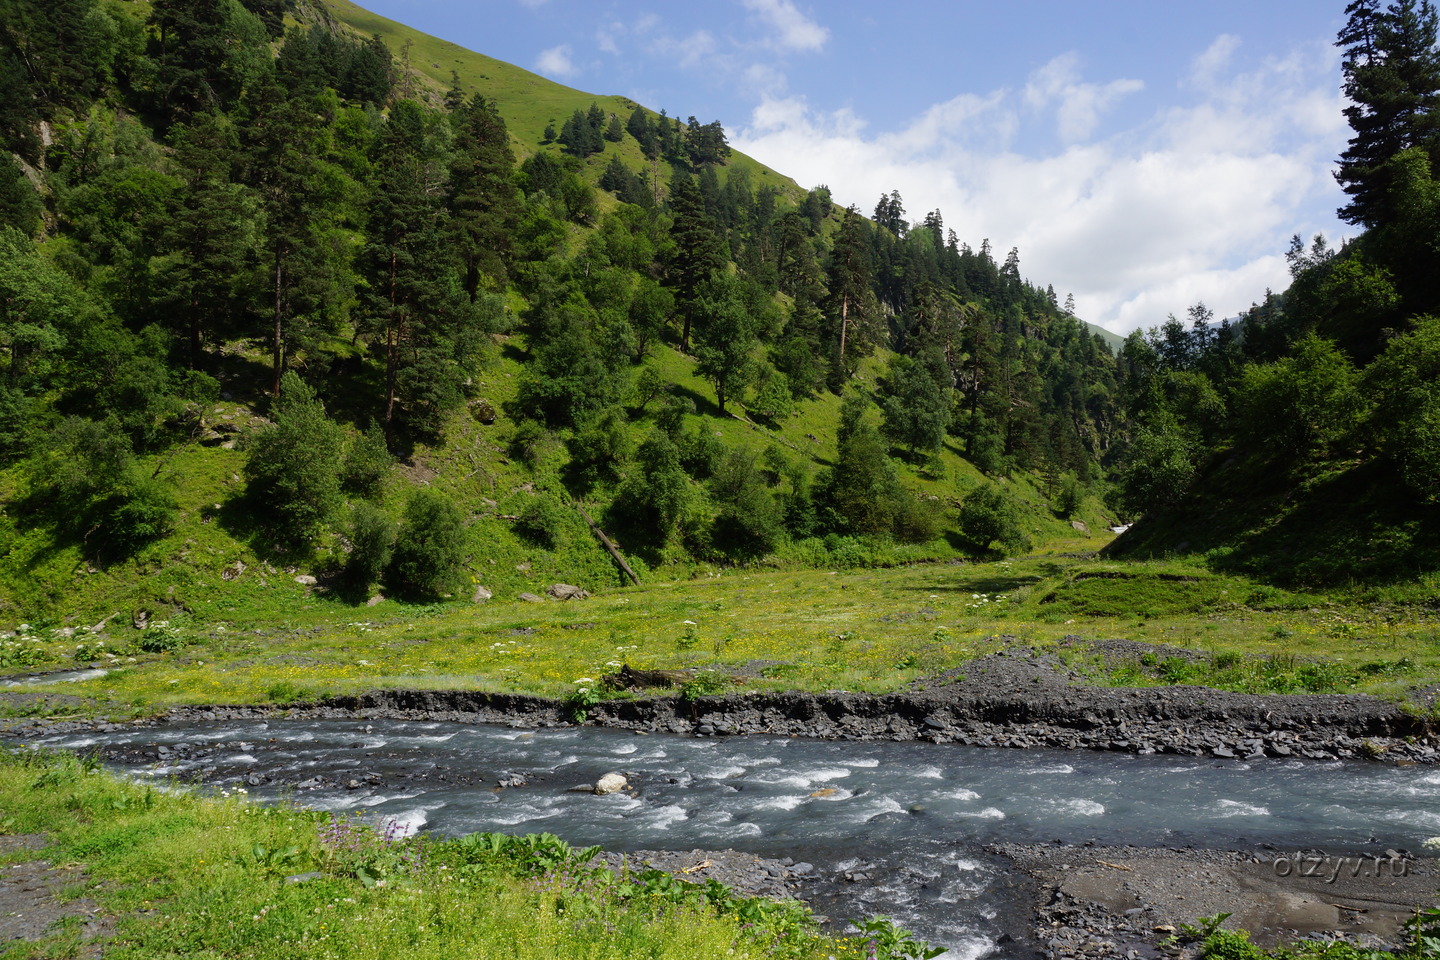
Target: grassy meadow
(870, 629)
(184, 875)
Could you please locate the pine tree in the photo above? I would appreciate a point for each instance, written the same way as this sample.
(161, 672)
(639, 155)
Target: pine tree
(850, 307)
(302, 192)
(1392, 76)
(484, 200)
(211, 230)
(414, 310)
(699, 254)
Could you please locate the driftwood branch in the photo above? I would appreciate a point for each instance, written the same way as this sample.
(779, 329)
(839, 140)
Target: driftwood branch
(609, 544)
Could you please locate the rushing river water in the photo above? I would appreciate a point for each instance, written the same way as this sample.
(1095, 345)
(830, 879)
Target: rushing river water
(913, 817)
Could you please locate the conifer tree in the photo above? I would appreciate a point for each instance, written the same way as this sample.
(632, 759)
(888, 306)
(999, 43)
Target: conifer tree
(1392, 76)
(698, 256)
(484, 200)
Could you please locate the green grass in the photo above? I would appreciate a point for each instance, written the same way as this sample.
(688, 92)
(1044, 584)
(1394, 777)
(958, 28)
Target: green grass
(185, 875)
(872, 630)
(527, 101)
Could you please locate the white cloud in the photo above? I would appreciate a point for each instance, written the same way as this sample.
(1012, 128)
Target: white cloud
(689, 51)
(792, 30)
(556, 62)
(1191, 203)
(1078, 105)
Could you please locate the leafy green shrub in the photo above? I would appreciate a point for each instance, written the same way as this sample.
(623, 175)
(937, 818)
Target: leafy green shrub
(86, 478)
(429, 557)
(292, 468)
(367, 463)
(542, 522)
(989, 516)
(1230, 945)
(163, 638)
(372, 540)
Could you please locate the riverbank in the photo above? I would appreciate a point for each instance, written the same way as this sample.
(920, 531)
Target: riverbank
(1015, 698)
(1102, 901)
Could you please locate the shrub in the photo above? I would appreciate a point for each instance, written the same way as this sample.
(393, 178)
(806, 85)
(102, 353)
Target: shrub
(367, 461)
(372, 540)
(989, 516)
(292, 469)
(542, 522)
(429, 557)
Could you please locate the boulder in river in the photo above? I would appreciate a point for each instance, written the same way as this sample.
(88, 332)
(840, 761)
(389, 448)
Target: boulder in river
(610, 783)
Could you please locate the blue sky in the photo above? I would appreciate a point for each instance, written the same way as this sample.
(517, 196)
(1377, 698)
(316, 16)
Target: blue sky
(1140, 155)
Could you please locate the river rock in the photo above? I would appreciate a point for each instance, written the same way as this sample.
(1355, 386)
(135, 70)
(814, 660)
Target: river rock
(565, 591)
(610, 783)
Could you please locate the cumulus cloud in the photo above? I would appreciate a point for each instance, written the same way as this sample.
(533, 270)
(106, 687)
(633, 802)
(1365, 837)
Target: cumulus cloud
(690, 50)
(1191, 203)
(556, 62)
(1078, 105)
(790, 29)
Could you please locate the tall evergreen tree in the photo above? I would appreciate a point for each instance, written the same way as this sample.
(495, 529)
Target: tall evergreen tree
(484, 201)
(210, 231)
(1392, 77)
(414, 309)
(302, 195)
(850, 308)
(699, 254)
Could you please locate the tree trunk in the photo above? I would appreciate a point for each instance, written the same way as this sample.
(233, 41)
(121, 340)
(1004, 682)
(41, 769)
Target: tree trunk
(279, 301)
(392, 360)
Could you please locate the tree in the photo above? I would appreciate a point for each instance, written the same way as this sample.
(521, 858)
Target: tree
(20, 205)
(414, 311)
(210, 233)
(86, 478)
(1405, 380)
(916, 401)
(302, 193)
(292, 467)
(698, 256)
(1392, 77)
(749, 520)
(484, 200)
(850, 308)
(724, 338)
(862, 490)
(428, 561)
(988, 516)
(372, 542)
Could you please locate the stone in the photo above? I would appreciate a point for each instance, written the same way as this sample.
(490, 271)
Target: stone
(304, 877)
(233, 571)
(305, 580)
(565, 591)
(1080, 526)
(483, 410)
(481, 594)
(530, 598)
(610, 783)
(375, 600)
(825, 793)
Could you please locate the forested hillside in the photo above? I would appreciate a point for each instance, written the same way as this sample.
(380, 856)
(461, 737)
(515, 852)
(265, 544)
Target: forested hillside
(1303, 443)
(274, 292)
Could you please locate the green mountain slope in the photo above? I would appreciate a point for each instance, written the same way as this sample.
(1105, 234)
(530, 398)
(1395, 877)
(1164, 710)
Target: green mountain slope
(527, 101)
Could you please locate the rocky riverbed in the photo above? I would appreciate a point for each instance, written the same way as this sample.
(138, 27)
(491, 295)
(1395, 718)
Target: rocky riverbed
(1018, 698)
(1069, 899)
